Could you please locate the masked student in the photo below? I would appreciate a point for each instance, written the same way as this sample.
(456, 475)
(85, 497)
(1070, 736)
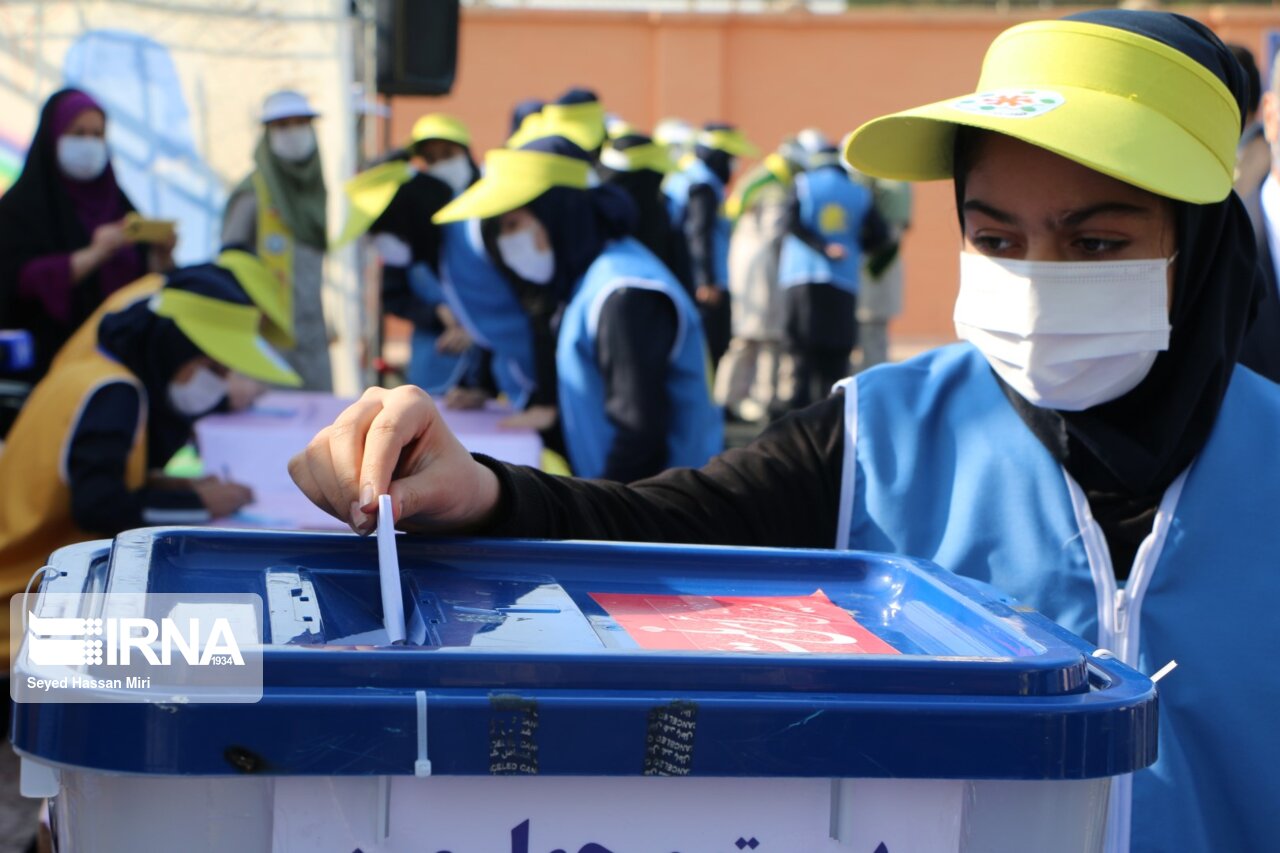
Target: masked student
(64, 247)
(437, 165)
(695, 201)
(279, 210)
(83, 458)
(630, 360)
(449, 273)
(1092, 447)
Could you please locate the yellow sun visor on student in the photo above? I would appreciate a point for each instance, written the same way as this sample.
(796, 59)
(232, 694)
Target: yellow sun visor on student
(731, 142)
(268, 294)
(1119, 103)
(512, 179)
(225, 332)
(369, 194)
(582, 124)
(648, 156)
(440, 126)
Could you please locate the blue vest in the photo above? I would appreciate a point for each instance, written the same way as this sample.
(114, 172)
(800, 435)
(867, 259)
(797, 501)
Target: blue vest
(833, 207)
(696, 431)
(938, 465)
(676, 188)
(484, 303)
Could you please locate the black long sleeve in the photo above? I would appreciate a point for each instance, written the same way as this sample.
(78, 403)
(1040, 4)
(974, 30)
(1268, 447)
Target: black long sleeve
(874, 233)
(782, 490)
(634, 339)
(797, 228)
(99, 448)
(700, 220)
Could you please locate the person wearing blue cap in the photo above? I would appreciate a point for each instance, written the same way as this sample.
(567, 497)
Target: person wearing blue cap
(695, 199)
(1093, 447)
(280, 211)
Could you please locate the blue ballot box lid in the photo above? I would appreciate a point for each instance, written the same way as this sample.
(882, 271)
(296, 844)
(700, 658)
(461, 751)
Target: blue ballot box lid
(576, 658)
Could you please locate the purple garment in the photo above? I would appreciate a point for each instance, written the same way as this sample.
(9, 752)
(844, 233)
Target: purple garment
(96, 202)
(47, 280)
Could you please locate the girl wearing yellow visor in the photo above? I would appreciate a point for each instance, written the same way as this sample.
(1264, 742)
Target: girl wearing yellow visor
(1092, 447)
(627, 358)
(79, 462)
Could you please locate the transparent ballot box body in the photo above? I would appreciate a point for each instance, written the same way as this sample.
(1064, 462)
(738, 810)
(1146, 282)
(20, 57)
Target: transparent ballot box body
(592, 698)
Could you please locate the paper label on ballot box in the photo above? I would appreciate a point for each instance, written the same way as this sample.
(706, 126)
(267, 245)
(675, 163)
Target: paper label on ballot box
(800, 624)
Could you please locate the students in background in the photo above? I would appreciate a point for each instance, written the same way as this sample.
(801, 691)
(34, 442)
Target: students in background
(630, 356)
(63, 244)
(633, 161)
(747, 376)
(412, 251)
(1253, 155)
(832, 221)
(696, 197)
(280, 211)
(577, 115)
(880, 293)
(1262, 345)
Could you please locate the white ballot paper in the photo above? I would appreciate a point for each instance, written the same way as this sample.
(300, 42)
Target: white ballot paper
(389, 572)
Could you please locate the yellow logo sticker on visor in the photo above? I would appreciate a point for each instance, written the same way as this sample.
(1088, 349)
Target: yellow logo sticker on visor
(1010, 103)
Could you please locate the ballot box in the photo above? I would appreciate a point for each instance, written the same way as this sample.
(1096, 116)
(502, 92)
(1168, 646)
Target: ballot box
(578, 697)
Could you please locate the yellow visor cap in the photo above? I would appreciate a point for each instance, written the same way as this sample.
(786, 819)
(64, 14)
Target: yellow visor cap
(512, 179)
(441, 126)
(731, 142)
(225, 332)
(1114, 101)
(267, 293)
(581, 124)
(649, 156)
(369, 194)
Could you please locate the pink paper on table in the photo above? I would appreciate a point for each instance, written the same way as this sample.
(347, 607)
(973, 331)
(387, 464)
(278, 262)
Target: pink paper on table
(801, 624)
(254, 447)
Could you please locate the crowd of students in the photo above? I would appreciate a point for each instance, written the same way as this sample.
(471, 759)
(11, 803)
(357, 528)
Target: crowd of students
(590, 276)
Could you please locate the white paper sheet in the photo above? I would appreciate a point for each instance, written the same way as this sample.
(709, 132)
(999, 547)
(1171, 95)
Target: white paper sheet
(389, 572)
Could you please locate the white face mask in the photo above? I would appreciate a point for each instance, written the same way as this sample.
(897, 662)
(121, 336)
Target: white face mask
(1065, 335)
(294, 144)
(526, 260)
(82, 158)
(199, 395)
(456, 172)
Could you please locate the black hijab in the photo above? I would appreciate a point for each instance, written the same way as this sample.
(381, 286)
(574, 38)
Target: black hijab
(653, 227)
(38, 217)
(579, 222)
(1124, 453)
(153, 349)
